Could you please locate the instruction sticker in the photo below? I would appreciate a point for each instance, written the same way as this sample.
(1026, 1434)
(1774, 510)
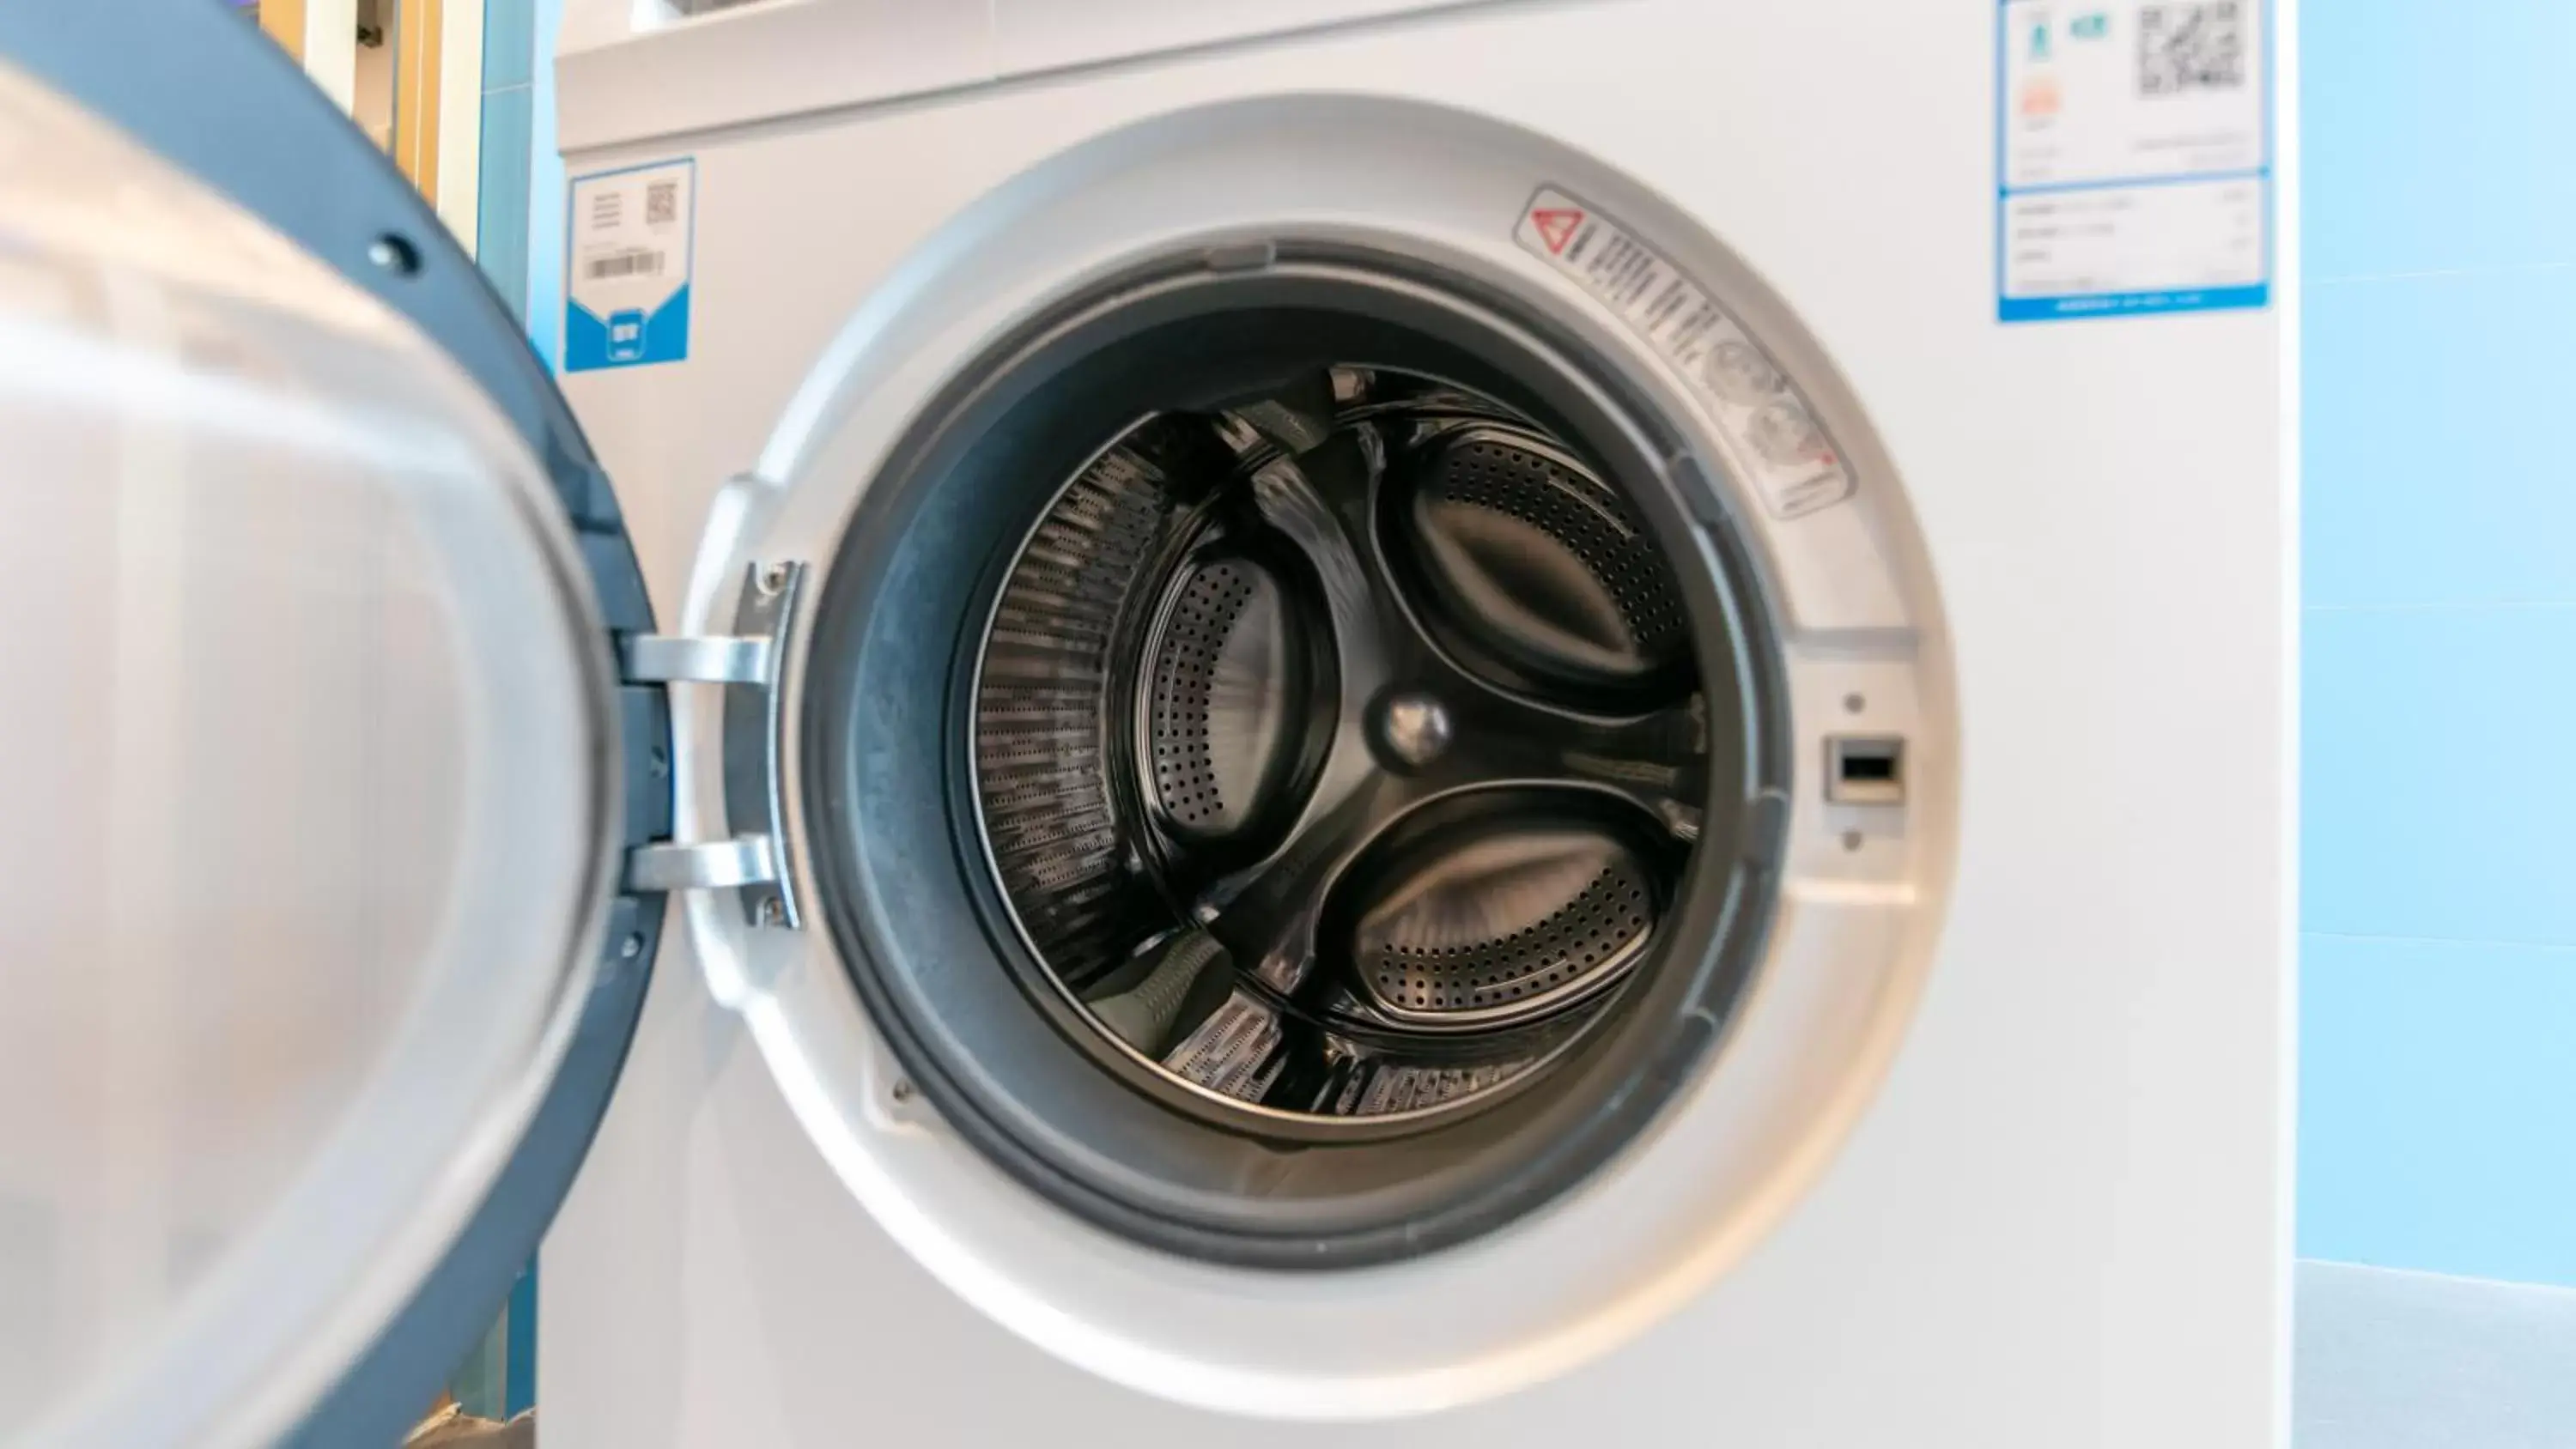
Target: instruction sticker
(2134, 140)
(1778, 441)
(628, 250)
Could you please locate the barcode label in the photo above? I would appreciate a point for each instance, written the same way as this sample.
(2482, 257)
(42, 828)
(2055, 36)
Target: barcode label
(638, 262)
(627, 266)
(1779, 444)
(2198, 45)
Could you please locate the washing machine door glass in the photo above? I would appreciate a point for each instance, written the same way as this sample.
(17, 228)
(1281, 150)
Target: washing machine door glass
(317, 771)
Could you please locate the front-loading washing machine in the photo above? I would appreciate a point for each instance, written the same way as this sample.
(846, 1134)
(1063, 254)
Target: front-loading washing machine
(1487, 722)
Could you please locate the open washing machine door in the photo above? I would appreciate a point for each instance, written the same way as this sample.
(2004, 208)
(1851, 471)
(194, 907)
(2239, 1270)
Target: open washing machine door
(318, 938)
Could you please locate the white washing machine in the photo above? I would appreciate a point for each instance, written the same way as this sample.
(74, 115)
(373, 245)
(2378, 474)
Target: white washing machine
(1492, 723)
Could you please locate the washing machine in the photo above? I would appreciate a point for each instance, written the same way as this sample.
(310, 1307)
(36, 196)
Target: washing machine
(1426, 723)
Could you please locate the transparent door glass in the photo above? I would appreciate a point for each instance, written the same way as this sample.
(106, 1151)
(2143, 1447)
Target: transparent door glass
(302, 801)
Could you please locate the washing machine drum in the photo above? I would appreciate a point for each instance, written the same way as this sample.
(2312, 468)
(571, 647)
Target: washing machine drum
(1332, 749)
(1158, 689)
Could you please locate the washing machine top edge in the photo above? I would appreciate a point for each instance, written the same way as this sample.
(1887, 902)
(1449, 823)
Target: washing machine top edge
(629, 73)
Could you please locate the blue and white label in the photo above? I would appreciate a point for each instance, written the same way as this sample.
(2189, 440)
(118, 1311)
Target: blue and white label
(2134, 143)
(628, 254)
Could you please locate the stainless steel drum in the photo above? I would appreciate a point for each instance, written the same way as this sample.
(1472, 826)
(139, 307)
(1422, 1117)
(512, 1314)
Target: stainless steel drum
(1338, 759)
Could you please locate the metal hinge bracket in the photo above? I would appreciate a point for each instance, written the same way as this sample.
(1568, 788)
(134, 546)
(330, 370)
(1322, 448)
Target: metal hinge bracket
(745, 664)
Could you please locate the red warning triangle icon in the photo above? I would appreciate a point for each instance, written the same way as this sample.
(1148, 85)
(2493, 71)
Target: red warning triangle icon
(1556, 226)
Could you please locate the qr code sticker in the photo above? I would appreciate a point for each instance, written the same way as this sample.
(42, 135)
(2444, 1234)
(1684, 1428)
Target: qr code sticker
(2197, 45)
(661, 203)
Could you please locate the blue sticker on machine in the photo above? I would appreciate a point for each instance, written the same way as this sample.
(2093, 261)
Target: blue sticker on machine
(2133, 157)
(629, 245)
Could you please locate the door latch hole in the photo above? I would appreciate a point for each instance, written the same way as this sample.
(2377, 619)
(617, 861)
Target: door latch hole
(1862, 770)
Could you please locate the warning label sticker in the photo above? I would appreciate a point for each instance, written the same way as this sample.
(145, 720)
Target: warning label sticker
(1777, 440)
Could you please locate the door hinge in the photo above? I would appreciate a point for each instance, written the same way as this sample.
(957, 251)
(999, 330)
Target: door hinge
(745, 665)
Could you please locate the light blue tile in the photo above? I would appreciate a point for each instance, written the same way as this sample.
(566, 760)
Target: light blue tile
(509, 43)
(2437, 1107)
(501, 207)
(2433, 470)
(546, 202)
(2435, 134)
(2437, 786)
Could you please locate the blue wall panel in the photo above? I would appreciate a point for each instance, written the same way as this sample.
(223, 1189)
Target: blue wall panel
(2438, 1013)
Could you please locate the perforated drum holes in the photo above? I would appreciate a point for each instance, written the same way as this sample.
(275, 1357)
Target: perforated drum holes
(1219, 713)
(1580, 516)
(1055, 834)
(1526, 966)
(1541, 571)
(1234, 1053)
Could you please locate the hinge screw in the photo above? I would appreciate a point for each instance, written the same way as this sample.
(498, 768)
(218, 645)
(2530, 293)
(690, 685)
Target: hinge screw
(772, 910)
(773, 578)
(394, 253)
